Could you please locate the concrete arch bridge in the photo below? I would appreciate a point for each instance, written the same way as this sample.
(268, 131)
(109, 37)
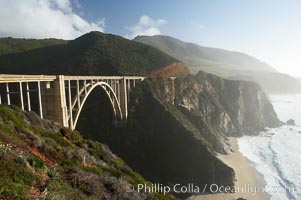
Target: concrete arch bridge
(61, 98)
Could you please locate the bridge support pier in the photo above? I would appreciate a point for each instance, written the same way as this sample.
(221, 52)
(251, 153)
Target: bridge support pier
(28, 97)
(55, 102)
(7, 94)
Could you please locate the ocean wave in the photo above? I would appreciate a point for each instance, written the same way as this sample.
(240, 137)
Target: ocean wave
(277, 152)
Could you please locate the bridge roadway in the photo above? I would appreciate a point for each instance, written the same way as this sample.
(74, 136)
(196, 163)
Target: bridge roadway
(61, 98)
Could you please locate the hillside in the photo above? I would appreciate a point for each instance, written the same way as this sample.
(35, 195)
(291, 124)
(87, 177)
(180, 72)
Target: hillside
(94, 53)
(204, 57)
(14, 45)
(224, 63)
(41, 160)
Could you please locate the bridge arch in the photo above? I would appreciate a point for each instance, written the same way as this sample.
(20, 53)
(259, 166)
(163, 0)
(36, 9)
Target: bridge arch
(84, 93)
(61, 98)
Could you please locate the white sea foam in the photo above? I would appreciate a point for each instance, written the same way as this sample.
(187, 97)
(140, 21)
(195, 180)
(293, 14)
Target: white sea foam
(277, 152)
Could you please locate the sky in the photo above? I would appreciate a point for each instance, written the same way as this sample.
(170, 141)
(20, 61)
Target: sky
(269, 30)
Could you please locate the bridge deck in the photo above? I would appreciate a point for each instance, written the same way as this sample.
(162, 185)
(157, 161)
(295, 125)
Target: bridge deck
(63, 100)
(102, 77)
(10, 78)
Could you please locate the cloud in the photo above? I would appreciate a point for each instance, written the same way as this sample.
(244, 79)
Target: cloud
(145, 26)
(43, 19)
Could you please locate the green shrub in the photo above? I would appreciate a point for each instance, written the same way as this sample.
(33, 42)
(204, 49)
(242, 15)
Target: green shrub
(51, 173)
(114, 172)
(73, 136)
(93, 169)
(37, 163)
(57, 155)
(70, 163)
(8, 115)
(60, 141)
(8, 134)
(96, 149)
(13, 190)
(16, 180)
(3, 149)
(84, 186)
(20, 160)
(59, 189)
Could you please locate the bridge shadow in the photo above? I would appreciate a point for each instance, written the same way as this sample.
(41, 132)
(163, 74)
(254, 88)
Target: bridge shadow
(96, 120)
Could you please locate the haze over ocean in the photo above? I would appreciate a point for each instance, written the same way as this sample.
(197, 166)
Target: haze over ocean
(277, 152)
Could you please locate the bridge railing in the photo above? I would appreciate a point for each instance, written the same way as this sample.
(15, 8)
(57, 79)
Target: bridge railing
(5, 78)
(102, 77)
(51, 96)
(12, 78)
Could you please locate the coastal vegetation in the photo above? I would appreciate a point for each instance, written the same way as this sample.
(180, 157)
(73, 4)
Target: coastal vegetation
(39, 159)
(94, 53)
(13, 45)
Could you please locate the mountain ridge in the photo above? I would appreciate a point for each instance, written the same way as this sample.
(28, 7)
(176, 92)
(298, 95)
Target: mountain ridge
(209, 53)
(10, 45)
(94, 53)
(224, 63)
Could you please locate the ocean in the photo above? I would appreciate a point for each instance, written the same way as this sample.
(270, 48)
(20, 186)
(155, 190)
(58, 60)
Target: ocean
(276, 152)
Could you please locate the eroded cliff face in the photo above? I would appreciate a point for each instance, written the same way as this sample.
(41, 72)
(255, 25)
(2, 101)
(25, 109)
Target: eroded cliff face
(176, 126)
(232, 107)
(217, 107)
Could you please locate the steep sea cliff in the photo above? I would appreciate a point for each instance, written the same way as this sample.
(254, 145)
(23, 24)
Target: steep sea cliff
(175, 126)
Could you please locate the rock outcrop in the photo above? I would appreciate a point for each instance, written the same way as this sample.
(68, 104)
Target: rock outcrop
(291, 122)
(173, 70)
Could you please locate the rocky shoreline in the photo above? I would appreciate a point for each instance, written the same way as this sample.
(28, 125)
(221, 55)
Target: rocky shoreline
(247, 178)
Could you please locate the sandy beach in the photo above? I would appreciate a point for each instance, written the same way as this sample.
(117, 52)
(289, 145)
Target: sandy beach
(246, 175)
